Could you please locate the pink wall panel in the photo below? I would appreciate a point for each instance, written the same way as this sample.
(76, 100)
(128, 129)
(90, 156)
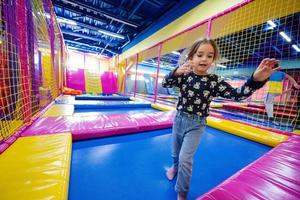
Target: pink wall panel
(76, 79)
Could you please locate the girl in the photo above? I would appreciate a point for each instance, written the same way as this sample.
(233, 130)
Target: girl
(197, 89)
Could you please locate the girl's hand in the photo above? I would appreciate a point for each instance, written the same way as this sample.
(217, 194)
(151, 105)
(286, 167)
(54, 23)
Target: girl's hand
(185, 68)
(297, 86)
(265, 69)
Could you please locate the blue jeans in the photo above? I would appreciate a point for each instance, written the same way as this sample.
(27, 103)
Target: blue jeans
(186, 134)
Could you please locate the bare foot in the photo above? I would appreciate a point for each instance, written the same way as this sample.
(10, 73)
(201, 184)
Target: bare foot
(181, 196)
(171, 173)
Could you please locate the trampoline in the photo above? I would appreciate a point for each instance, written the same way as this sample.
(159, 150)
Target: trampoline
(130, 158)
(98, 111)
(133, 166)
(99, 97)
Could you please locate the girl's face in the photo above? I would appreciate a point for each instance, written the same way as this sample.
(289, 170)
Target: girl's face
(203, 59)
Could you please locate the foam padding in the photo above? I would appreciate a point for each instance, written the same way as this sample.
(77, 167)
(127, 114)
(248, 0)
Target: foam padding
(249, 132)
(36, 167)
(109, 106)
(273, 176)
(101, 126)
(216, 105)
(296, 132)
(59, 110)
(162, 107)
(95, 97)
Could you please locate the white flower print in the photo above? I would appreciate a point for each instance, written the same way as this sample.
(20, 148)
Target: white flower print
(179, 94)
(246, 90)
(190, 108)
(197, 85)
(210, 98)
(190, 93)
(199, 113)
(220, 79)
(189, 79)
(222, 88)
(184, 100)
(206, 93)
(197, 101)
(204, 106)
(183, 87)
(179, 107)
(239, 90)
(179, 80)
(204, 79)
(227, 94)
(213, 84)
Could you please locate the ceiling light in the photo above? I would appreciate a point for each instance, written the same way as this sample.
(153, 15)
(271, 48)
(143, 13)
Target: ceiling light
(287, 38)
(296, 47)
(222, 66)
(271, 23)
(67, 21)
(111, 34)
(176, 53)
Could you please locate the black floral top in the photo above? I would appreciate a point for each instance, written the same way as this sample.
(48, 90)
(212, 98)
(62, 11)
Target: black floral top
(197, 91)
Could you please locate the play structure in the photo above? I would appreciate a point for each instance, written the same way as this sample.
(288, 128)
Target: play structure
(101, 129)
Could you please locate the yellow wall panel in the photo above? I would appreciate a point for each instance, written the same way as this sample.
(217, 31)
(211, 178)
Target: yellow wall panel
(92, 82)
(149, 53)
(253, 14)
(194, 16)
(184, 40)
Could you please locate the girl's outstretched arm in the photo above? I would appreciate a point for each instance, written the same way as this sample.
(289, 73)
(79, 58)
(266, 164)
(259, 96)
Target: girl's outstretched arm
(265, 69)
(174, 78)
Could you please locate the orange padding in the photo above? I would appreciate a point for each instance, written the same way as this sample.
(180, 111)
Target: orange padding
(70, 91)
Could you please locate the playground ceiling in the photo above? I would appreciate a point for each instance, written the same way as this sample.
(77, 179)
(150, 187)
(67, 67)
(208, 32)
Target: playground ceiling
(106, 26)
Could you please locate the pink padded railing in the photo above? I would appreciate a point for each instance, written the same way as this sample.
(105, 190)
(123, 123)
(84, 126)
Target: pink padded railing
(276, 176)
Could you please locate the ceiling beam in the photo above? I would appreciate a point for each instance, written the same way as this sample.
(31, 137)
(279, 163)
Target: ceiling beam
(91, 46)
(85, 50)
(131, 14)
(103, 31)
(81, 35)
(79, 12)
(107, 15)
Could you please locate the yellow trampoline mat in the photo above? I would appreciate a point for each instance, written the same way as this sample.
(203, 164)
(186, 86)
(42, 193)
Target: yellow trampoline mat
(36, 167)
(59, 110)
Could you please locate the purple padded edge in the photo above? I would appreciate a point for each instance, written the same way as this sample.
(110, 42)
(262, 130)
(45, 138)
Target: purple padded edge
(276, 176)
(4, 145)
(85, 127)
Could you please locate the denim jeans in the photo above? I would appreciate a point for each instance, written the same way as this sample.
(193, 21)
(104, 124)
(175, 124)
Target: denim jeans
(186, 134)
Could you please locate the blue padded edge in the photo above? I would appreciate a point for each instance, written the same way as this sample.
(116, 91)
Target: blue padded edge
(90, 97)
(107, 106)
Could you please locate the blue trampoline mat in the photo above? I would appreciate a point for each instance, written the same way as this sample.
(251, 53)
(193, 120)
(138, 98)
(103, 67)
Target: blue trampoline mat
(133, 166)
(99, 97)
(114, 111)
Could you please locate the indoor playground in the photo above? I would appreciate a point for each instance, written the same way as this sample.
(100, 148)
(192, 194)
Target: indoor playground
(83, 114)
